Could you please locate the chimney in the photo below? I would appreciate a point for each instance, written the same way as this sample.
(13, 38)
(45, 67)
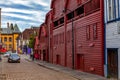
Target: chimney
(8, 25)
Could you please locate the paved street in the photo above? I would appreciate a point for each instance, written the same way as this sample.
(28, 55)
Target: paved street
(26, 70)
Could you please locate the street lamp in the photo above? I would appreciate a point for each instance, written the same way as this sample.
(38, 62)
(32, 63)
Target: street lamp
(72, 37)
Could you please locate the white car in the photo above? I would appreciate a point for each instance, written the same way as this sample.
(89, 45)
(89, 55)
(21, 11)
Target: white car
(7, 54)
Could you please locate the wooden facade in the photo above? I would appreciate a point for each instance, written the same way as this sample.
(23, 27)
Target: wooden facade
(43, 42)
(73, 35)
(80, 21)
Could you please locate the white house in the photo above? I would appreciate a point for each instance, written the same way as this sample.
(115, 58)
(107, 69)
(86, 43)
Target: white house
(112, 35)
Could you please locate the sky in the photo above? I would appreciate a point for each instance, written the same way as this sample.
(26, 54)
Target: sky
(24, 13)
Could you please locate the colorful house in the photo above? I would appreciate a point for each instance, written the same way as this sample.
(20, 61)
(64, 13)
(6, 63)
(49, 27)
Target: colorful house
(76, 37)
(9, 37)
(112, 48)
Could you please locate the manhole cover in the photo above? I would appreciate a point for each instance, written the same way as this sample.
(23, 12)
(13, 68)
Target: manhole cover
(2, 76)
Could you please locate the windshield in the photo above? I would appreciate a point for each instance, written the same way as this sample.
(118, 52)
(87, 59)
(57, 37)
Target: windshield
(14, 55)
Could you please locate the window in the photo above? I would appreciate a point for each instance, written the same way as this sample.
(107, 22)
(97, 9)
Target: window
(95, 31)
(79, 10)
(5, 39)
(10, 46)
(10, 39)
(87, 32)
(62, 20)
(112, 9)
(70, 15)
(55, 23)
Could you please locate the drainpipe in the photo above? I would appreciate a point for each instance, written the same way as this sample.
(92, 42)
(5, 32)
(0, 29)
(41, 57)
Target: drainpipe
(72, 37)
(103, 33)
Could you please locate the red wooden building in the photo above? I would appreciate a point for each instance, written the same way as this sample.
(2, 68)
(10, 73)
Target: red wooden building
(76, 37)
(43, 42)
(36, 48)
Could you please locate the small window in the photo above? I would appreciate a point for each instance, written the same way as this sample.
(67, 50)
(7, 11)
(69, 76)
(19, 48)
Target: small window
(79, 10)
(88, 32)
(70, 15)
(10, 39)
(95, 31)
(62, 20)
(55, 23)
(10, 46)
(5, 39)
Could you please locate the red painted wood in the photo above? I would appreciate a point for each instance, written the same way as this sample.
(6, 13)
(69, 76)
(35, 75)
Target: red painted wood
(43, 42)
(91, 48)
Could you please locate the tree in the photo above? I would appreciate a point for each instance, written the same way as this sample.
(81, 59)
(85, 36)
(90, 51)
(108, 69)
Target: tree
(31, 41)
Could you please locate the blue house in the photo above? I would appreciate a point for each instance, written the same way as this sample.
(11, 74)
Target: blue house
(112, 35)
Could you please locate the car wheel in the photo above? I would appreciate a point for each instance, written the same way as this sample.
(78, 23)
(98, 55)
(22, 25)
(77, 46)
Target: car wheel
(8, 61)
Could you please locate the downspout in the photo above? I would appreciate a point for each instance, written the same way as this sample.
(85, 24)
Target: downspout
(105, 49)
(65, 26)
(103, 33)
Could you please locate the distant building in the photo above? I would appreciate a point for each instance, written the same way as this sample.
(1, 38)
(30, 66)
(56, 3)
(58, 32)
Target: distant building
(43, 43)
(9, 36)
(25, 36)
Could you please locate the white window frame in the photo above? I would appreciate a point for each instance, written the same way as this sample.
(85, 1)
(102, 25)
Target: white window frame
(111, 14)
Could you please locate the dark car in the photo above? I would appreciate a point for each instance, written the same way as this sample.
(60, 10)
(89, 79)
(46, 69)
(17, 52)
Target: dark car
(14, 58)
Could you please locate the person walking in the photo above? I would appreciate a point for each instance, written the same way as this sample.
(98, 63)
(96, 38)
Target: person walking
(0, 58)
(32, 54)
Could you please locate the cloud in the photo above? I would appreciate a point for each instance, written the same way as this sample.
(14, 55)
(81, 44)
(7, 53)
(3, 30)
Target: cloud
(24, 12)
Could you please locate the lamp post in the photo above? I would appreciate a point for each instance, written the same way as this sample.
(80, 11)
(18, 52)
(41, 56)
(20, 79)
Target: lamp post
(72, 36)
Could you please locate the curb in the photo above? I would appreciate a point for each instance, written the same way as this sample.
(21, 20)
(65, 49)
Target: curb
(53, 69)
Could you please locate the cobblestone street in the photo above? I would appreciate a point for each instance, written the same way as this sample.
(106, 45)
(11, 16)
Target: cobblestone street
(26, 70)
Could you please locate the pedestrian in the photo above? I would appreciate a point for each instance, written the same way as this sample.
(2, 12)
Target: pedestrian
(32, 54)
(0, 58)
(33, 57)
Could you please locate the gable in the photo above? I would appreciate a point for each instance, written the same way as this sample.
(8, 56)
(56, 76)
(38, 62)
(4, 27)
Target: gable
(42, 31)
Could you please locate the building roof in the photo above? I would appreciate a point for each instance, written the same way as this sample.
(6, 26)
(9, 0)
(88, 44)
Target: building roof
(10, 30)
(27, 32)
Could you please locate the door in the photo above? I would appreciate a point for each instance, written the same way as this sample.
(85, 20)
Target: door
(80, 62)
(44, 55)
(57, 59)
(113, 62)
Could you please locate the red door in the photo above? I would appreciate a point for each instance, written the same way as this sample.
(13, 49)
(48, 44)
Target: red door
(80, 62)
(44, 55)
(57, 59)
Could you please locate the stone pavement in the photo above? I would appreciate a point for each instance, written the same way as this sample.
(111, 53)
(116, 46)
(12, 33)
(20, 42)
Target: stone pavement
(74, 73)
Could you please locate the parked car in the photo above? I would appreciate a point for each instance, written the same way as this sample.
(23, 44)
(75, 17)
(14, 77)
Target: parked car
(14, 58)
(7, 54)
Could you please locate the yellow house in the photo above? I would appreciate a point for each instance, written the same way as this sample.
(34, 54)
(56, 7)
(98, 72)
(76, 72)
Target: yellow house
(9, 37)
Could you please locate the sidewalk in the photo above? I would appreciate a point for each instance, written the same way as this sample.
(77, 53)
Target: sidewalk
(77, 74)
